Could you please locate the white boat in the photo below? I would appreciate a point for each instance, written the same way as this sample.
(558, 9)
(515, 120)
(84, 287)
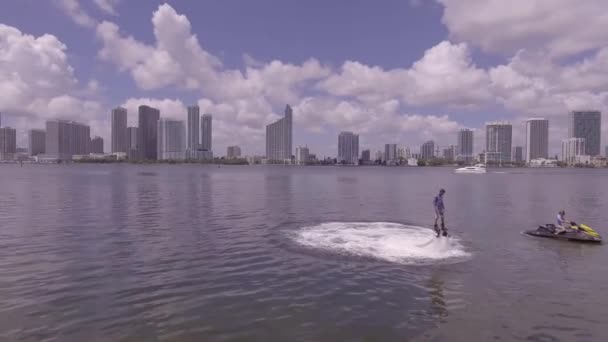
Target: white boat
(479, 168)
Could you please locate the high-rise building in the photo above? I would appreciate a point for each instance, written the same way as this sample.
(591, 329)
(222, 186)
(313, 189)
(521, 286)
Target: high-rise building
(606, 151)
(279, 138)
(427, 150)
(147, 132)
(366, 156)
(171, 140)
(498, 141)
(379, 156)
(97, 145)
(233, 152)
(517, 154)
(66, 138)
(302, 155)
(464, 147)
(36, 139)
(206, 132)
(571, 148)
(348, 148)
(119, 130)
(131, 138)
(193, 141)
(8, 143)
(537, 139)
(0, 119)
(132, 151)
(390, 152)
(448, 153)
(587, 125)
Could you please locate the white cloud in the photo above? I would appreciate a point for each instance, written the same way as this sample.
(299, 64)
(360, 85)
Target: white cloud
(37, 82)
(73, 9)
(447, 75)
(107, 6)
(561, 27)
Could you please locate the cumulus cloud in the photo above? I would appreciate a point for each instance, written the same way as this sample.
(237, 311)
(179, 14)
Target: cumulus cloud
(37, 82)
(107, 6)
(561, 27)
(73, 9)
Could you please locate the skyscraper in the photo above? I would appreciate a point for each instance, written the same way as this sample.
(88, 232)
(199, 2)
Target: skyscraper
(171, 140)
(571, 148)
(279, 138)
(302, 155)
(66, 138)
(193, 141)
(390, 152)
(348, 148)
(233, 152)
(498, 141)
(132, 151)
(448, 153)
(365, 156)
(36, 139)
(464, 147)
(0, 119)
(537, 139)
(131, 138)
(206, 132)
(147, 132)
(8, 143)
(587, 125)
(517, 154)
(97, 145)
(119, 130)
(427, 150)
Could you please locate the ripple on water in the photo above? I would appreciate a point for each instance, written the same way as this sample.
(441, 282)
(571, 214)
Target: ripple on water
(393, 242)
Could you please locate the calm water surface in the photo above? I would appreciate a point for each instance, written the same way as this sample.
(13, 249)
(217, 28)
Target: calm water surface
(191, 253)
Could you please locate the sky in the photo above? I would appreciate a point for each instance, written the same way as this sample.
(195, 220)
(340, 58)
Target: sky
(393, 71)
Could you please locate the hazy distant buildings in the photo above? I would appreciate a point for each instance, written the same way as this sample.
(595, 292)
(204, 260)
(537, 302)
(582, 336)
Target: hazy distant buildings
(366, 156)
(192, 128)
(587, 125)
(537, 139)
(427, 150)
(390, 152)
(233, 152)
(8, 143)
(498, 141)
(379, 156)
(206, 132)
(171, 140)
(302, 155)
(66, 138)
(606, 151)
(132, 151)
(464, 147)
(147, 132)
(517, 154)
(119, 130)
(572, 148)
(448, 153)
(97, 145)
(36, 139)
(279, 138)
(348, 148)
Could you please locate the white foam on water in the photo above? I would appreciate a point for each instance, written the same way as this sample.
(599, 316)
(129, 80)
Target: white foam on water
(392, 242)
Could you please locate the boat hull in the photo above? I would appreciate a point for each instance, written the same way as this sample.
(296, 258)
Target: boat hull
(569, 235)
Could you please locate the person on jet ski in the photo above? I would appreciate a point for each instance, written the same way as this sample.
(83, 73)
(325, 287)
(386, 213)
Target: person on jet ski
(439, 210)
(562, 224)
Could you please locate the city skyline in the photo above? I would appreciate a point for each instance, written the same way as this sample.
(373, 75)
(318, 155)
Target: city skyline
(427, 85)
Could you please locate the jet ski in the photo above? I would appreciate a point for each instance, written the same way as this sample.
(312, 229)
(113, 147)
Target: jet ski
(579, 233)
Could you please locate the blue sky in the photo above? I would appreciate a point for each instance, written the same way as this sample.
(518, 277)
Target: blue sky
(393, 71)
